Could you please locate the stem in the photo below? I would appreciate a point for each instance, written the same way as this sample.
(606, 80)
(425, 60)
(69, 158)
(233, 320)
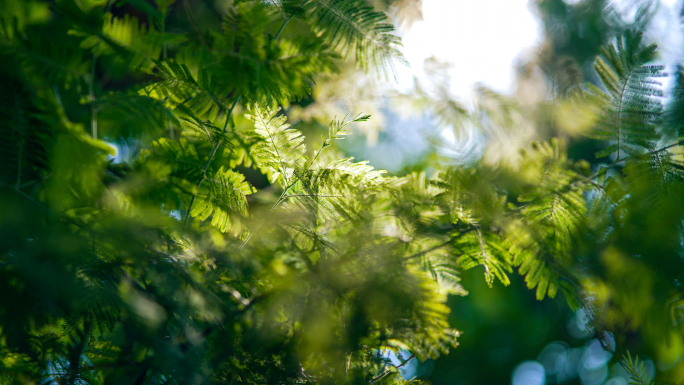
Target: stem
(282, 197)
(380, 377)
(163, 31)
(618, 161)
(421, 253)
(211, 157)
(91, 95)
(91, 83)
(619, 114)
(485, 258)
(216, 146)
(679, 143)
(21, 141)
(282, 27)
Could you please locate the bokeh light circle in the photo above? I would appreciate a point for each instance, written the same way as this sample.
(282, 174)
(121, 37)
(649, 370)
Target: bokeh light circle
(529, 373)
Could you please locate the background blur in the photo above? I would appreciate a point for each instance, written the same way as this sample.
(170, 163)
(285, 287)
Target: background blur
(461, 54)
(482, 76)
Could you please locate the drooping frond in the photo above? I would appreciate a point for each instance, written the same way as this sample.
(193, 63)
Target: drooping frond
(223, 196)
(356, 29)
(179, 87)
(431, 336)
(563, 212)
(344, 172)
(64, 65)
(283, 149)
(478, 248)
(460, 200)
(134, 116)
(329, 191)
(194, 126)
(444, 271)
(24, 149)
(538, 269)
(668, 167)
(557, 199)
(135, 43)
(181, 154)
(552, 217)
(674, 115)
(630, 109)
(261, 68)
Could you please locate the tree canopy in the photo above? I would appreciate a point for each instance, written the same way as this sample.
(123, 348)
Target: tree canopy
(173, 212)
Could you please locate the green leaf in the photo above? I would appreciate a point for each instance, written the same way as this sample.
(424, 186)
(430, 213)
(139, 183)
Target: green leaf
(179, 87)
(357, 30)
(630, 110)
(283, 148)
(224, 198)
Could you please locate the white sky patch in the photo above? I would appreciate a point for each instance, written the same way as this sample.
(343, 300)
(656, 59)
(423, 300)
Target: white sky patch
(483, 39)
(480, 38)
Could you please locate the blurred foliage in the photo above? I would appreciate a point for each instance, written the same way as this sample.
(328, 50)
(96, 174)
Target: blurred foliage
(624, 253)
(162, 221)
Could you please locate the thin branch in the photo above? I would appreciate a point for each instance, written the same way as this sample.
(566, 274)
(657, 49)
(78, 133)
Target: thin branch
(91, 83)
(441, 245)
(211, 157)
(619, 114)
(216, 146)
(679, 143)
(590, 181)
(282, 27)
(380, 377)
(485, 258)
(283, 197)
(313, 196)
(618, 161)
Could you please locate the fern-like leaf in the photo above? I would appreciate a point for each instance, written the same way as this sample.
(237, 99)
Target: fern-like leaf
(476, 248)
(553, 216)
(62, 64)
(328, 191)
(200, 128)
(283, 149)
(135, 42)
(24, 151)
(224, 198)
(674, 116)
(259, 67)
(337, 129)
(182, 155)
(636, 370)
(132, 115)
(179, 87)
(345, 173)
(355, 28)
(630, 109)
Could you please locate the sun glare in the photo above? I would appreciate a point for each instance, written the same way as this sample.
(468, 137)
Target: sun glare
(481, 39)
